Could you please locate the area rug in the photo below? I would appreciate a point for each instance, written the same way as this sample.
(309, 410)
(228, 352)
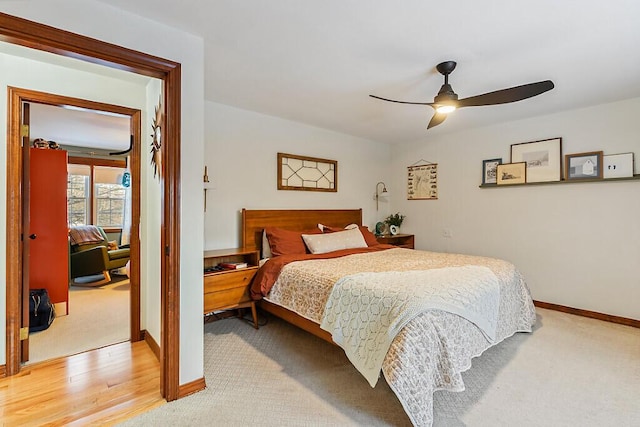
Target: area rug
(98, 316)
(571, 371)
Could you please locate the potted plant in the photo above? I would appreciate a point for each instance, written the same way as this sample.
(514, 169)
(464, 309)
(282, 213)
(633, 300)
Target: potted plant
(394, 221)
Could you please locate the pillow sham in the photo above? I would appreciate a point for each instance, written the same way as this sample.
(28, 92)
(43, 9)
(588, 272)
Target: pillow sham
(329, 242)
(369, 237)
(287, 242)
(266, 248)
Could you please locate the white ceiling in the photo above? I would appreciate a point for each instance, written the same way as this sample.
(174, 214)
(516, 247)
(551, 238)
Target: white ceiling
(316, 62)
(79, 128)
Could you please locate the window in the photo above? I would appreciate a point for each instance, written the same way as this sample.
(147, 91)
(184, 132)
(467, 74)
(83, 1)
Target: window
(109, 200)
(78, 194)
(108, 197)
(95, 194)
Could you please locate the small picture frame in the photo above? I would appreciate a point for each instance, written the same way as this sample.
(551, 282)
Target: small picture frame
(511, 173)
(489, 171)
(617, 166)
(583, 165)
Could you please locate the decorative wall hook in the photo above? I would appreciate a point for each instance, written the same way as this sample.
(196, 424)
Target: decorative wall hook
(205, 179)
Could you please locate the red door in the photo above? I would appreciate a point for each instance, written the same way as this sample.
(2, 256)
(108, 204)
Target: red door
(49, 250)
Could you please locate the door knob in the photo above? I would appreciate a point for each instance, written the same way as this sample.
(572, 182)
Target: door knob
(32, 236)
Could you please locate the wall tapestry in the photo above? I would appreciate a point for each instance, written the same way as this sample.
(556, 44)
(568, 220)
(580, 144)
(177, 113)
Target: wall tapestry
(422, 181)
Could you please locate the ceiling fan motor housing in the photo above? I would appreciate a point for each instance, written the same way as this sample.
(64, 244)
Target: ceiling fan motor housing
(446, 94)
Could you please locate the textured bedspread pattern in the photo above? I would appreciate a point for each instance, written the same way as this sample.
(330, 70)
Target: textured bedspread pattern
(366, 311)
(433, 348)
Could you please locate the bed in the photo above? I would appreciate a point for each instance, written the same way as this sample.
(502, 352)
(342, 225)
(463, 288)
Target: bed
(472, 304)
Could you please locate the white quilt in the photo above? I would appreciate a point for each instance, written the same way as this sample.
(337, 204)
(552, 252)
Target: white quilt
(433, 348)
(366, 311)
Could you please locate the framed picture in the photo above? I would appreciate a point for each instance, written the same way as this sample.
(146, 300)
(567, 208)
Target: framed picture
(584, 165)
(511, 173)
(617, 166)
(307, 173)
(543, 159)
(489, 169)
(422, 182)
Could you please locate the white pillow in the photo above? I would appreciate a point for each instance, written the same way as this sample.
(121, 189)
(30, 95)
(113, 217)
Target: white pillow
(266, 247)
(348, 227)
(323, 243)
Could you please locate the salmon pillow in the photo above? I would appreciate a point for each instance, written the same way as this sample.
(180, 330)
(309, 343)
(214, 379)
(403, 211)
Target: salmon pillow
(369, 237)
(287, 242)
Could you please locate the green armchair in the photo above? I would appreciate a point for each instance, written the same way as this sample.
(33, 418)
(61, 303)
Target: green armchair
(90, 254)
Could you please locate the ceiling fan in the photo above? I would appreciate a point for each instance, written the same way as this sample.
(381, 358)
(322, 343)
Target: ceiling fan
(447, 100)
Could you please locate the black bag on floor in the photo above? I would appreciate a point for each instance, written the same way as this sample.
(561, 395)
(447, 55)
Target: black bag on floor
(41, 311)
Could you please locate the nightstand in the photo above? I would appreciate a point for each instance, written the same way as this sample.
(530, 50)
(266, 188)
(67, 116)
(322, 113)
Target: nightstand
(400, 240)
(229, 289)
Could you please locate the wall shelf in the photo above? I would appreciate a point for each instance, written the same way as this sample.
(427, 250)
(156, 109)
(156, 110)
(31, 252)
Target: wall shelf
(564, 181)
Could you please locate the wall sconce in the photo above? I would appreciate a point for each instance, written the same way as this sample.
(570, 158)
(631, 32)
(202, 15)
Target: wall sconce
(379, 193)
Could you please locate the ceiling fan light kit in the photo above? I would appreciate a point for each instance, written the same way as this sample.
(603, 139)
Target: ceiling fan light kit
(446, 101)
(445, 109)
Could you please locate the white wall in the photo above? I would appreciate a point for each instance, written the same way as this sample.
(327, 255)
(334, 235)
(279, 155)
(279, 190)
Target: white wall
(576, 244)
(97, 20)
(241, 152)
(150, 220)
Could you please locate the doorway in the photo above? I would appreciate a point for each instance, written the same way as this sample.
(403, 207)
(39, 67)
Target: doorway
(31, 34)
(109, 313)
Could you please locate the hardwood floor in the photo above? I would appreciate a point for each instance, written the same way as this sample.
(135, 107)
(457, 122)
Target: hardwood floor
(99, 387)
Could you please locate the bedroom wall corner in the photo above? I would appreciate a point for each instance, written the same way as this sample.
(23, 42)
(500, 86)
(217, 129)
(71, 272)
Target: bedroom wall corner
(576, 244)
(151, 222)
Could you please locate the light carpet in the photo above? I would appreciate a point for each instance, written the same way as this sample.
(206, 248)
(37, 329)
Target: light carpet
(570, 371)
(98, 316)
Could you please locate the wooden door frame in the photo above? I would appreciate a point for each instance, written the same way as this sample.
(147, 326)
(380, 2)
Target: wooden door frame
(16, 97)
(43, 37)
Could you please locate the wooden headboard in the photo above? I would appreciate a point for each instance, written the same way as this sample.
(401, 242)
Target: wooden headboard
(254, 221)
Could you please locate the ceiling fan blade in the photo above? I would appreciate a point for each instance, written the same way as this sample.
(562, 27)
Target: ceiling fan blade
(402, 102)
(504, 96)
(436, 120)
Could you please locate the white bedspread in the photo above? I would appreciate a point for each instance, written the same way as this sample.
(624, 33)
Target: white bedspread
(366, 311)
(433, 348)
